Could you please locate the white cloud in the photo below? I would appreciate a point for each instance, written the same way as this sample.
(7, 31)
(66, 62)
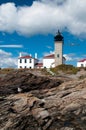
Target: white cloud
(48, 53)
(6, 59)
(68, 58)
(24, 53)
(59, 2)
(71, 57)
(11, 46)
(4, 53)
(44, 16)
(8, 17)
(49, 47)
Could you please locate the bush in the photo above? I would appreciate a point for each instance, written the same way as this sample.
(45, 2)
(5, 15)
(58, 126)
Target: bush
(45, 71)
(68, 69)
(6, 70)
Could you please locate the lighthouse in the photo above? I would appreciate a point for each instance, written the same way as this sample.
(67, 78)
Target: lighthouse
(58, 41)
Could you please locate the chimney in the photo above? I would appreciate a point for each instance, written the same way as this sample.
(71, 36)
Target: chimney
(35, 55)
(30, 55)
(20, 54)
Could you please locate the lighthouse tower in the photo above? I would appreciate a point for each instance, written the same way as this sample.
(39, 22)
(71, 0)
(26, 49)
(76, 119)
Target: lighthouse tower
(58, 40)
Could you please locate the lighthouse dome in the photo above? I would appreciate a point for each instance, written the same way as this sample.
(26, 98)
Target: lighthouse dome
(58, 37)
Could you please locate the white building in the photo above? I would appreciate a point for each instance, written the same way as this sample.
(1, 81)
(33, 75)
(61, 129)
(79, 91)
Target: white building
(27, 62)
(81, 63)
(30, 62)
(49, 61)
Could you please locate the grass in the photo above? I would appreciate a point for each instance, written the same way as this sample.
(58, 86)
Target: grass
(45, 71)
(6, 70)
(68, 69)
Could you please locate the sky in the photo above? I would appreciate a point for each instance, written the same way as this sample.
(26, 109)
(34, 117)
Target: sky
(29, 26)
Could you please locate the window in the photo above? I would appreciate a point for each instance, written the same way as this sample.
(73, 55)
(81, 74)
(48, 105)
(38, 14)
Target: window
(20, 60)
(58, 55)
(20, 66)
(30, 60)
(30, 67)
(81, 65)
(25, 67)
(25, 61)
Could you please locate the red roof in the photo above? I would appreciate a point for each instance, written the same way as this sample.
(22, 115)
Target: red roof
(39, 64)
(51, 56)
(82, 60)
(25, 57)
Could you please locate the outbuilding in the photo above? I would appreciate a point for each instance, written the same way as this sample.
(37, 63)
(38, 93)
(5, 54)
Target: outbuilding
(81, 63)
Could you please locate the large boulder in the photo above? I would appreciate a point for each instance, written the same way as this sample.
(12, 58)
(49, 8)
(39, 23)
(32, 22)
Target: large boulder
(59, 107)
(24, 81)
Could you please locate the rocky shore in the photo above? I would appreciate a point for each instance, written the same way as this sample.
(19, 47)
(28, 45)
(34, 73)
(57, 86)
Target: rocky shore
(44, 102)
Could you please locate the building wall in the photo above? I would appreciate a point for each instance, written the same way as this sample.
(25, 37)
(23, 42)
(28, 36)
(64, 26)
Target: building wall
(48, 63)
(27, 64)
(64, 60)
(58, 53)
(39, 67)
(35, 61)
(81, 64)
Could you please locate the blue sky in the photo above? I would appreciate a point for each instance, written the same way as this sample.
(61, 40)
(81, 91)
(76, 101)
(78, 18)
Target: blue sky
(29, 27)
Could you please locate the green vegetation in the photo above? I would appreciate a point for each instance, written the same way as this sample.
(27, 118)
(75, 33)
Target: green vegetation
(6, 70)
(68, 69)
(82, 68)
(45, 71)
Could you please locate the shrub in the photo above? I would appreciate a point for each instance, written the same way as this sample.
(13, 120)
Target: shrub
(6, 70)
(68, 69)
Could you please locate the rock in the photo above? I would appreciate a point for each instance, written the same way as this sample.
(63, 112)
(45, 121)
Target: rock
(42, 107)
(67, 128)
(23, 81)
(40, 113)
